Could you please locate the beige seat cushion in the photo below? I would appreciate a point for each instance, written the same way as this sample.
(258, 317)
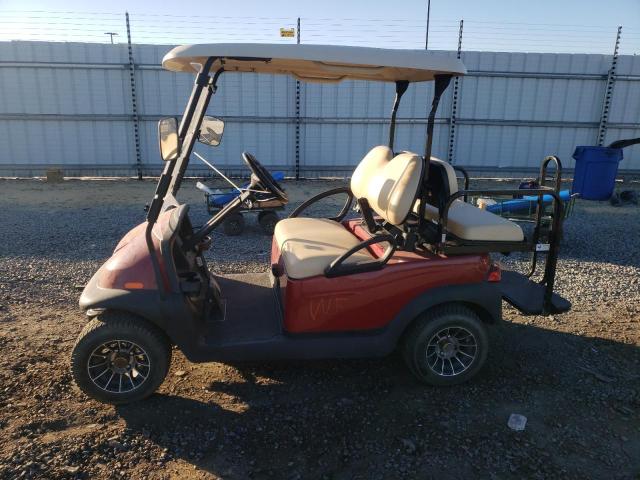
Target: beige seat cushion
(309, 245)
(472, 223)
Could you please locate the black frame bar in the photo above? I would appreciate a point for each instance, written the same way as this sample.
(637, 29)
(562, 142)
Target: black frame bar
(401, 87)
(542, 179)
(187, 134)
(440, 85)
(337, 267)
(465, 175)
(202, 79)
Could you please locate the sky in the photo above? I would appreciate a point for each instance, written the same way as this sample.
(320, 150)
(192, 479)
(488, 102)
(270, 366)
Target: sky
(534, 25)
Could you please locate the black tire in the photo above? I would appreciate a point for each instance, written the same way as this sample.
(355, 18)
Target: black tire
(234, 225)
(267, 221)
(126, 330)
(435, 362)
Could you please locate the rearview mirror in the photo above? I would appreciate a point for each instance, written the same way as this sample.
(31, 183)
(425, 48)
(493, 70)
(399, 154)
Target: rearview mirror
(211, 131)
(168, 137)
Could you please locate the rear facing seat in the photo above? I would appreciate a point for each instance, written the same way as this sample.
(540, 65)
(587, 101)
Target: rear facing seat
(465, 221)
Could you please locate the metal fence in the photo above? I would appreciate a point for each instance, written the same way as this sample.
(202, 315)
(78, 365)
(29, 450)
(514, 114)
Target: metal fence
(91, 108)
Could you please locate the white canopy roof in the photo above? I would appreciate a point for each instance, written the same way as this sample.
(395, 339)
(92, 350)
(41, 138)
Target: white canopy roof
(319, 63)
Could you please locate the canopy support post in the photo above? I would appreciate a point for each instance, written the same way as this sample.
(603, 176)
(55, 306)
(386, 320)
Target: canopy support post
(401, 87)
(440, 85)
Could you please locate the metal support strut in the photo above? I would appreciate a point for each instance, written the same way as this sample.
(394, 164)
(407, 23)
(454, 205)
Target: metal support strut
(608, 92)
(401, 87)
(134, 101)
(298, 112)
(454, 104)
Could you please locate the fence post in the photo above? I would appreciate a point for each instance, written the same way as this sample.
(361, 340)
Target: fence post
(426, 37)
(298, 112)
(608, 92)
(454, 104)
(134, 102)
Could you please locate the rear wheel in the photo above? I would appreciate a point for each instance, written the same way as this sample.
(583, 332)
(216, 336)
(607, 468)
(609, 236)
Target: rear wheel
(120, 358)
(446, 346)
(234, 224)
(267, 221)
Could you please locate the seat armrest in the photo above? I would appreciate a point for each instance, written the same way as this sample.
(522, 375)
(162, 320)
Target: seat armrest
(338, 268)
(465, 176)
(328, 193)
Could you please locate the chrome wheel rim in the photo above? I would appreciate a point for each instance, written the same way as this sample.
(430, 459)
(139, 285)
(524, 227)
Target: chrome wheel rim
(118, 366)
(451, 351)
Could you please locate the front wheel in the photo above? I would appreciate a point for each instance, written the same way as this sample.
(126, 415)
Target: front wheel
(234, 224)
(267, 221)
(446, 346)
(120, 358)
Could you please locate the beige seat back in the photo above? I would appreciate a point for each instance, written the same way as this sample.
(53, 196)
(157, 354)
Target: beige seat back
(389, 184)
(372, 162)
(393, 189)
(447, 169)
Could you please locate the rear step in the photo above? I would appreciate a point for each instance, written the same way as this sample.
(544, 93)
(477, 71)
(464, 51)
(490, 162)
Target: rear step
(528, 296)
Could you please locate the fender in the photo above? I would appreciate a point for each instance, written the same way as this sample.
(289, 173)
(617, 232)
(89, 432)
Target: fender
(483, 298)
(171, 314)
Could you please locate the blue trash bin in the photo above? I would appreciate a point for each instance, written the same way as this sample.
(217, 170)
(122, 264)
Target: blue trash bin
(595, 173)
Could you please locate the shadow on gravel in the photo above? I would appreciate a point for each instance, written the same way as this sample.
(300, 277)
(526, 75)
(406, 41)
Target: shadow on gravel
(370, 419)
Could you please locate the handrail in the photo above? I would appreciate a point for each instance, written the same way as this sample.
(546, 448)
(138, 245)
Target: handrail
(328, 193)
(465, 175)
(540, 202)
(336, 268)
(558, 172)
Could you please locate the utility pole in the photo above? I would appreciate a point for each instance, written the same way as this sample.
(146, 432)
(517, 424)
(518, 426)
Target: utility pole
(111, 34)
(426, 40)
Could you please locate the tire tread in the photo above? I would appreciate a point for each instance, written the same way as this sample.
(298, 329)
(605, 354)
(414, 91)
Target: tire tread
(119, 321)
(412, 338)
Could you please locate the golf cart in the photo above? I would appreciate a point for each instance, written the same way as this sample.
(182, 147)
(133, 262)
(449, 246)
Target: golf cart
(413, 271)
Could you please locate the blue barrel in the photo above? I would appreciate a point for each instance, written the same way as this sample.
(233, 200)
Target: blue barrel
(595, 173)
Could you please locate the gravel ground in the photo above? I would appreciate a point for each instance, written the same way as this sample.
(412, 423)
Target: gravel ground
(575, 376)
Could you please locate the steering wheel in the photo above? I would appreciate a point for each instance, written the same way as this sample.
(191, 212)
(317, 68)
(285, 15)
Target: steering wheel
(264, 177)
